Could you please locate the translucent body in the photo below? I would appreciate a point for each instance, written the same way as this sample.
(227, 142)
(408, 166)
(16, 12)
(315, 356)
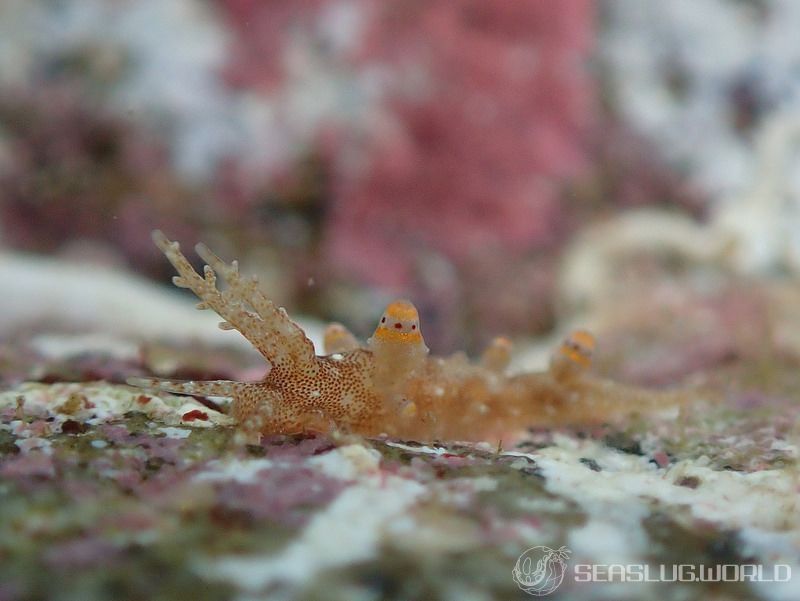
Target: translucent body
(390, 386)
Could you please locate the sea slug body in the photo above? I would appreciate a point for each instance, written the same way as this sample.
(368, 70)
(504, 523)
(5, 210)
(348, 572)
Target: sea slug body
(390, 385)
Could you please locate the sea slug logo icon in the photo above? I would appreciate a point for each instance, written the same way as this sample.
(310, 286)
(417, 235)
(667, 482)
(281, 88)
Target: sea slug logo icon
(540, 570)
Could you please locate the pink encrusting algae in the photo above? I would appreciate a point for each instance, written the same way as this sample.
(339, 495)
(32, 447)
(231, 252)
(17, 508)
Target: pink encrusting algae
(497, 121)
(390, 385)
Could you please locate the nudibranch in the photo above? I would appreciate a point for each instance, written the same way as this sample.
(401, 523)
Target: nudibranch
(390, 385)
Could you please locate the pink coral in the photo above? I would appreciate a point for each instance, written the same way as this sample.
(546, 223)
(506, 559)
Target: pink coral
(483, 112)
(261, 28)
(471, 158)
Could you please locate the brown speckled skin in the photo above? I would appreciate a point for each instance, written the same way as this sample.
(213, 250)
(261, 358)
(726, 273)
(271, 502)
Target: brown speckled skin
(336, 396)
(421, 398)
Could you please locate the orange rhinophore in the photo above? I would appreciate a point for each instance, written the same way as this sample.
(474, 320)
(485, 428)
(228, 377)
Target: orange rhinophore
(391, 385)
(574, 356)
(497, 355)
(338, 339)
(398, 352)
(578, 348)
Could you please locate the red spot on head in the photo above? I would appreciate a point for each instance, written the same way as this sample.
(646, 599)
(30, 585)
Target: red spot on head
(398, 325)
(414, 327)
(195, 414)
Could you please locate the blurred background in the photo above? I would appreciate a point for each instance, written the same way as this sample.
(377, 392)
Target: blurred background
(512, 167)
